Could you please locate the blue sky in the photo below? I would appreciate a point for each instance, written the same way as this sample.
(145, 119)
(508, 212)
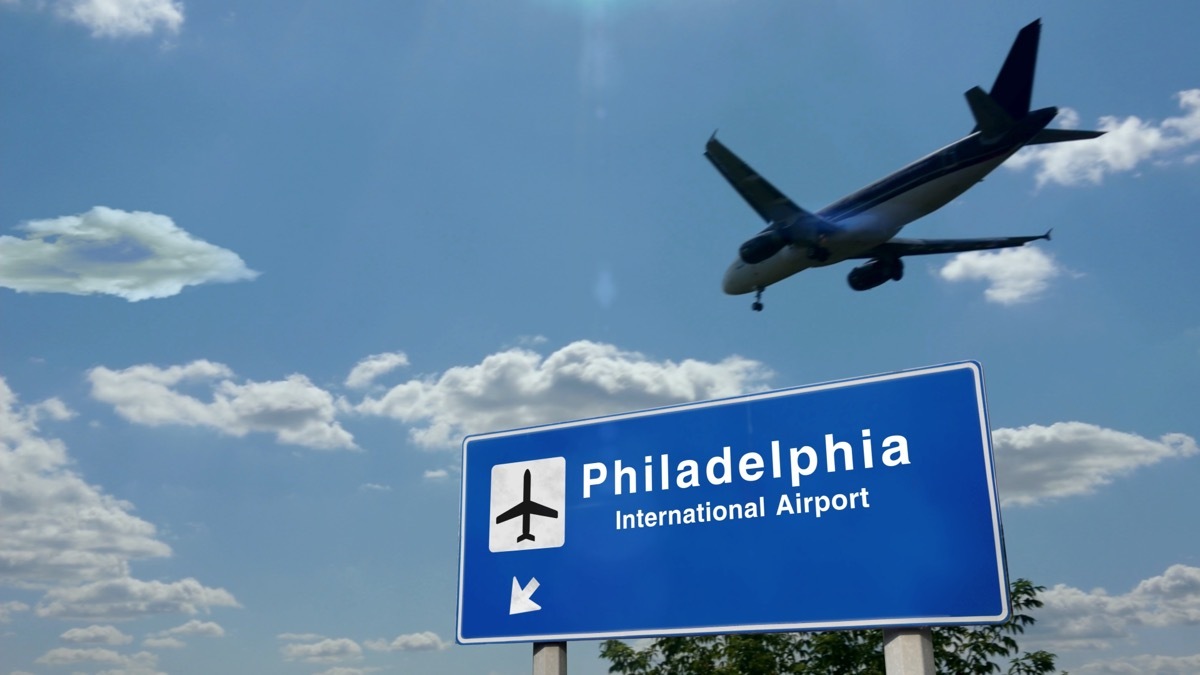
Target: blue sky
(263, 265)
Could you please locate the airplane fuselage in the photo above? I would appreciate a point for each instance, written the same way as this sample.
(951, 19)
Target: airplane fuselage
(876, 213)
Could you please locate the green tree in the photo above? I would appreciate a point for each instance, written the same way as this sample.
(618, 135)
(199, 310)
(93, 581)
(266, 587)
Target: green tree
(977, 650)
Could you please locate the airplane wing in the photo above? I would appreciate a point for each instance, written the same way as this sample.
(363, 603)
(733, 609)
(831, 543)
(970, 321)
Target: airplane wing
(511, 513)
(539, 510)
(902, 247)
(764, 198)
(532, 508)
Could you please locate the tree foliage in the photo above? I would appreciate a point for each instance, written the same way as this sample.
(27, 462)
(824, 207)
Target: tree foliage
(977, 650)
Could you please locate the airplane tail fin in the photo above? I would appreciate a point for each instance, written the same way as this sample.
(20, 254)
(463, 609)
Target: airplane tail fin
(1013, 88)
(526, 537)
(1011, 93)
(1008, 101)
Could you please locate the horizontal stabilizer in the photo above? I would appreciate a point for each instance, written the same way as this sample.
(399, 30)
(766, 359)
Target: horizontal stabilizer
(990, 118)
(1063, 135)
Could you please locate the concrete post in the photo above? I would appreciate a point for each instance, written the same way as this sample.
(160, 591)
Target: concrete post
(549, 658)
(908, 651)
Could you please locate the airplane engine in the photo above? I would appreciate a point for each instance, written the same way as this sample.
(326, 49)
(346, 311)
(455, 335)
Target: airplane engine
(872, 274)
(762, 246)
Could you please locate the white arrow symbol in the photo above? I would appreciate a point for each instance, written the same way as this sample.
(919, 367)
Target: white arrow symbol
(520, 602)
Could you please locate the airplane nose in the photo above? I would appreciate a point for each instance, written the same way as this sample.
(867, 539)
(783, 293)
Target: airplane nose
(735, 281)
(727, 282)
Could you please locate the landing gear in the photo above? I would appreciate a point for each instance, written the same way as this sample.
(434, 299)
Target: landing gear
(757, 306)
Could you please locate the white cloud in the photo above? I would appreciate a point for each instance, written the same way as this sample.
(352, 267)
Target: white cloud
(8, 608)
(1073, 619)
(62, 656)
(123, 18)
(1174, 597)
(374, 487)
(327, 650)
(1068, 118)
(52, 408)
(300, 637)
(1035, 463)
(1129, 143)
(55, 528)
(132, 255)
(99, 635)
(436, 474)
(169, 639)
(425, 641)
(197, 628)
(130, 669)
(519, 387)
(163, 643)
(294, 409)
(366, 371)
(57, 531)
(1145, 664)
(1014, 275)
(128, 598)
(342, 670)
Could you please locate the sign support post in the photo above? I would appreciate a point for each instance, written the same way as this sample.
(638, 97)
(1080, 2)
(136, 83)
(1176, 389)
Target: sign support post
(550, 658)
(908, 651)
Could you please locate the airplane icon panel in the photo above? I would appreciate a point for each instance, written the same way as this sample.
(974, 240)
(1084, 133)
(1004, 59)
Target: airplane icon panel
(528, 501)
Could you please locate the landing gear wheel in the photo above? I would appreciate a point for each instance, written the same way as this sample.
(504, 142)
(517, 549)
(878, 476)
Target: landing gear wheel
(757, 306)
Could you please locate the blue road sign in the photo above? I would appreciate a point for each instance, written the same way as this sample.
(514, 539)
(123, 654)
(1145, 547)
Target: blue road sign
(862, 503)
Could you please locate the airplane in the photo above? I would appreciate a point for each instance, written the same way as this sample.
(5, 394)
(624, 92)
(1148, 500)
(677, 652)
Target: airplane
(864, 224)
(526, 508)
